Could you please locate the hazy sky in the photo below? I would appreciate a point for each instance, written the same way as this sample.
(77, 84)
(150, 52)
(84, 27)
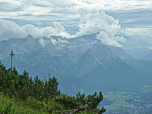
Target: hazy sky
(121, 23)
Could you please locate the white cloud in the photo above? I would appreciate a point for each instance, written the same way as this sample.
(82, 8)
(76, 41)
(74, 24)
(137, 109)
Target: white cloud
(69, 8)
(62, 41)
(39, 23)
(149, 48)
(58, 11)
(138, 32)
(9, 5)
(106, 40)
(128, 20)
(137, 37)
(9, 29)
(91, 23)
(42, 42)
(53, 41)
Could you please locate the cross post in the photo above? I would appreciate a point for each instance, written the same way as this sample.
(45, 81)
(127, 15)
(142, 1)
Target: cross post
(11, 59)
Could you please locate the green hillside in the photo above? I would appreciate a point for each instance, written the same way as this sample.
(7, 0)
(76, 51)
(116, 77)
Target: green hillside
(21, 95)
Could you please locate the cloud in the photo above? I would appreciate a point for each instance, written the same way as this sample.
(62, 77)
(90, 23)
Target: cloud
(53, 41)
(104, 38)
(42, 42)
(9, 5)
(75, 14)
(62, 41)
(9, 29)
(64, 9)
(58, 42)
(91, 23)
(137, 37)
(136, 31)
(53, 3)
(143, 35)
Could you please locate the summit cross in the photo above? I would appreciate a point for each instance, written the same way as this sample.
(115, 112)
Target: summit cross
(11, 59)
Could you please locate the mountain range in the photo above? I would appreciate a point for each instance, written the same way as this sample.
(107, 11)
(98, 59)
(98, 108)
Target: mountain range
(80, 64)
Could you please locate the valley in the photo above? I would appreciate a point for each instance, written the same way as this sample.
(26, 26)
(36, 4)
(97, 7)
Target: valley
(123, 102)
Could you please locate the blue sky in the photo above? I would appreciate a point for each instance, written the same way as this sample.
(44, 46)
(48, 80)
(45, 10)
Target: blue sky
(120, 23)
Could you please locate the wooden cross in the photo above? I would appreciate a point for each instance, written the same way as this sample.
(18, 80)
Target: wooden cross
(11, 59)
